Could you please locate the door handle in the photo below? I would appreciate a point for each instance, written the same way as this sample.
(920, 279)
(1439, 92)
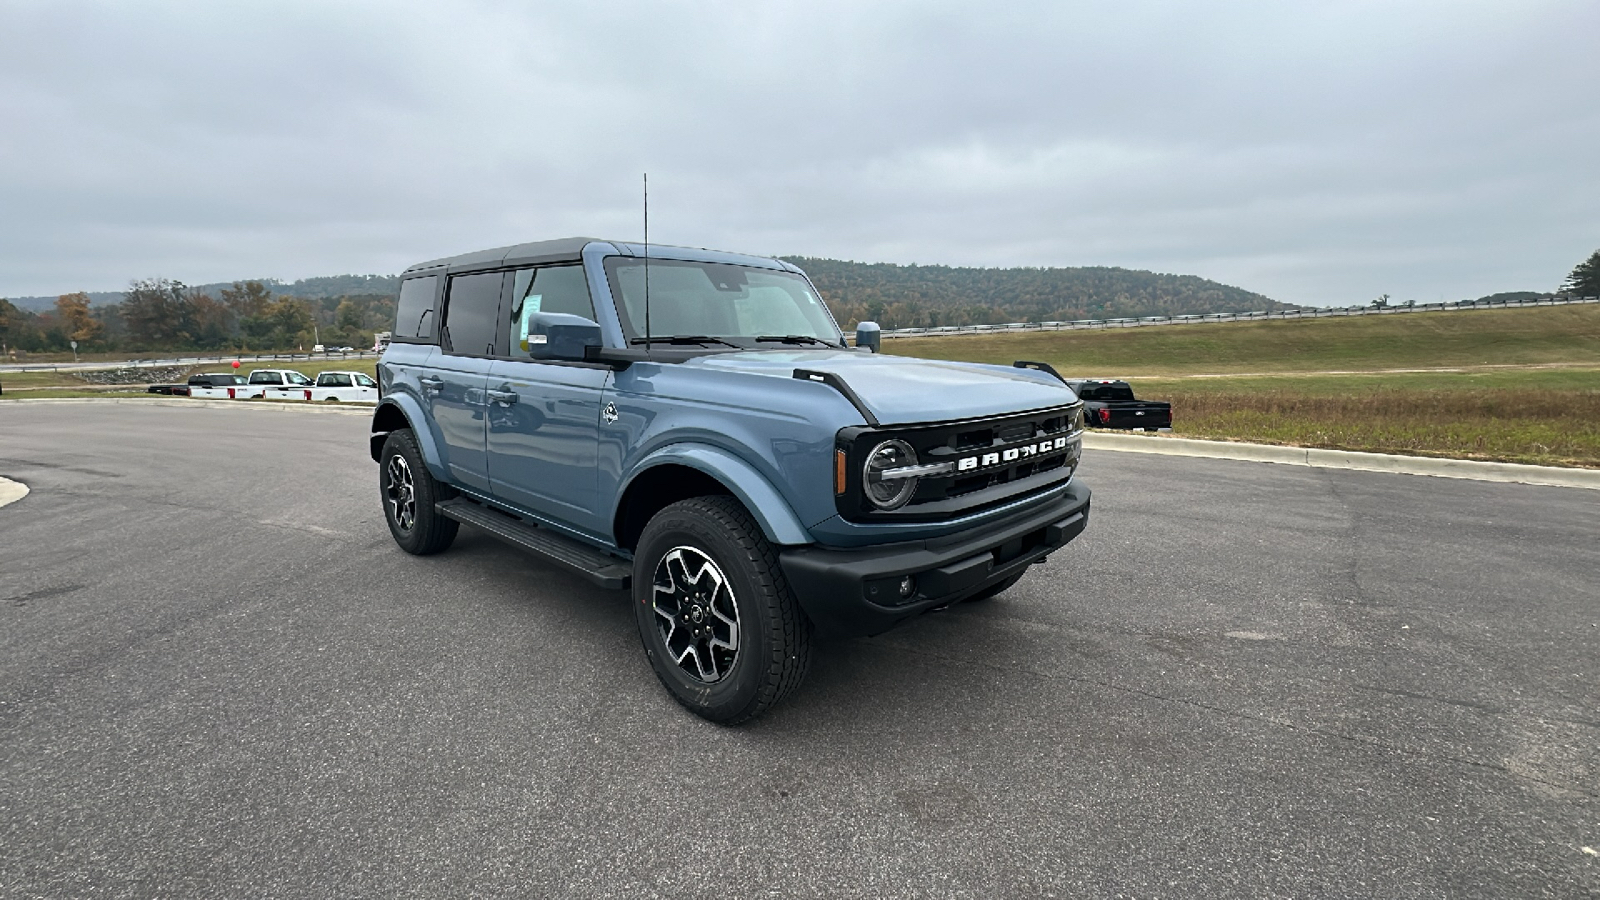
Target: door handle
(431, 385)
(505, 398)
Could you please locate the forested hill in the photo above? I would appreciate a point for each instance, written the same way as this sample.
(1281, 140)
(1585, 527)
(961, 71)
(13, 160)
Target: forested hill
(897, 296)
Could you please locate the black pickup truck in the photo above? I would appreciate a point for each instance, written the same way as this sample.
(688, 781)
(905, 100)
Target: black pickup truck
(1111, 404)
(200, 385)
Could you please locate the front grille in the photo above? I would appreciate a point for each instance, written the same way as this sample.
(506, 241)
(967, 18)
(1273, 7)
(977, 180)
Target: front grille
(991, 461)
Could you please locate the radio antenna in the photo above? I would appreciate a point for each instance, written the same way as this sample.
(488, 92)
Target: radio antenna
(647, 262)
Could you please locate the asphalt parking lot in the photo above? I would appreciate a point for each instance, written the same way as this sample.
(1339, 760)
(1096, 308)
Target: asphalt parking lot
(219, 678)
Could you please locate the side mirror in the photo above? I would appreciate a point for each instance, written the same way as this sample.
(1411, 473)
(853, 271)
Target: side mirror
(544, 335)
(869, 335)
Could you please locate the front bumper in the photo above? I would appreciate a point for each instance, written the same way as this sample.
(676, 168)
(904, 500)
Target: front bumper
(857, 591)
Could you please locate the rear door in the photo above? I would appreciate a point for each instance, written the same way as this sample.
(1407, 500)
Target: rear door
(544, 416)
(455, 382)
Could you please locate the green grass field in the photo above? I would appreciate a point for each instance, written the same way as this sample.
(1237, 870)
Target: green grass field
(1523, 385)
(1547, 335)
(1516, 385)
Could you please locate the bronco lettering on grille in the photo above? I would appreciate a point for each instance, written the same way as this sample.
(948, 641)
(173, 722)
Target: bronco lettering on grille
(1011, 454)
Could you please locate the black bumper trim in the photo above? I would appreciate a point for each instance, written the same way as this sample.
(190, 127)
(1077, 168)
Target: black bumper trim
(846, 592)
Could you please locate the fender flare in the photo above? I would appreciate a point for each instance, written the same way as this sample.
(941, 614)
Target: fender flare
(412, 411)
(768, 507)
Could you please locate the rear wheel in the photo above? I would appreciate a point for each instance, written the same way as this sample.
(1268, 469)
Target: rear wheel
(408, 493)
(719, 623)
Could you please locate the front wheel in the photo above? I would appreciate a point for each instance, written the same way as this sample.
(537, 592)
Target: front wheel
(720, 625)
(408, 493)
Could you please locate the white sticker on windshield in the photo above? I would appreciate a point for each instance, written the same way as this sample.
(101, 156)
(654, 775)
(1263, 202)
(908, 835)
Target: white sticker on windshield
(530, 306)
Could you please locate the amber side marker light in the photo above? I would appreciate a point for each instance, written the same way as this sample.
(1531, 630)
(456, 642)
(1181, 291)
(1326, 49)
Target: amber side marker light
(838, 471)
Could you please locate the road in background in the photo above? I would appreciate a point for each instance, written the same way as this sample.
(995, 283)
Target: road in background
(219, 677)
(252, 359)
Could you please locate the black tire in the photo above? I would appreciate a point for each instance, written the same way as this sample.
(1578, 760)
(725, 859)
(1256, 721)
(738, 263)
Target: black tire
(416, 526)
(994, 590)
(685, 626)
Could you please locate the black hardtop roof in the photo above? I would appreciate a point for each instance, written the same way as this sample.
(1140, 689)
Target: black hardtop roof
(571, 250)
(563, 249)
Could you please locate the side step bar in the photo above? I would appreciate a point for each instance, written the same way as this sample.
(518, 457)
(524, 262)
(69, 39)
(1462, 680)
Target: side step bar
(596, 565)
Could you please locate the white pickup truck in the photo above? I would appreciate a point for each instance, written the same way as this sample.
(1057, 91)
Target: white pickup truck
(219, 386)
(278, 384)
(344, 387)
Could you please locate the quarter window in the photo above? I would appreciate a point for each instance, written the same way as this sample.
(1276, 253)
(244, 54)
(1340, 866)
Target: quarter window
(414, 312)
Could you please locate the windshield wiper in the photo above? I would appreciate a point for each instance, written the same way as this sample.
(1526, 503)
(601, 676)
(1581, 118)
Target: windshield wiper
(684, 339)
(794, 339)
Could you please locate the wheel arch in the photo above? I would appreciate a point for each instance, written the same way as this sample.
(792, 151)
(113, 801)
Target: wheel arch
(682, 471)
(400, 412)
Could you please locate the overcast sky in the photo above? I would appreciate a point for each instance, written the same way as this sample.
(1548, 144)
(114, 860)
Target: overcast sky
(1316, 152)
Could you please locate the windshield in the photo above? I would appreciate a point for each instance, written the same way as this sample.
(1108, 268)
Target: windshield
(735, 304)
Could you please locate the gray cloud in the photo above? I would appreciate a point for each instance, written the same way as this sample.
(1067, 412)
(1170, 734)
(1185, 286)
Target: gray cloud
(1318, 152)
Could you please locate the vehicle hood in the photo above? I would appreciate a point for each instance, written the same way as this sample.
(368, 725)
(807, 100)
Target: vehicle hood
(902, 390)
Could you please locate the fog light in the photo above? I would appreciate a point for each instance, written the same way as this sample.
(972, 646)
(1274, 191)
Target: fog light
(907, 586)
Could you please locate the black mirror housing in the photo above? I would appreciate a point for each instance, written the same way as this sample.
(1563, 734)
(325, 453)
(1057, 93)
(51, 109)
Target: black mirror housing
(869, 335)
(559, 336)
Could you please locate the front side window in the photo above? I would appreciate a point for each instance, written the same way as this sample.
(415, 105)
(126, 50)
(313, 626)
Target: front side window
(552, 289)
(364, 381)
(470, 313)
(736, 304)
(297, 378)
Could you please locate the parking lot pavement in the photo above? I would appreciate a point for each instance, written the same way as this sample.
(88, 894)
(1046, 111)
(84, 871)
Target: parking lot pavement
(218, 677)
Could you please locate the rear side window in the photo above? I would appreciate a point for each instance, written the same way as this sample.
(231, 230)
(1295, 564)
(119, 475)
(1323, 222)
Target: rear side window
(471, 312)
(1106, 393)
(414, 315)
(553, 289)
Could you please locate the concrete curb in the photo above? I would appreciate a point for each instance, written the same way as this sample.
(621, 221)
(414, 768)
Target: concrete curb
(363, 409)
(11, 491)
(1347, 459)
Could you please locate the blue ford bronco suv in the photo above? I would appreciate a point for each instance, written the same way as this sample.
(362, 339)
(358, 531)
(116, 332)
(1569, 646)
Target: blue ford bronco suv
(691, 426)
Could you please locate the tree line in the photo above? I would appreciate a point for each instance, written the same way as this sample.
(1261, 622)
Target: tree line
(346, 310)
(162, 314)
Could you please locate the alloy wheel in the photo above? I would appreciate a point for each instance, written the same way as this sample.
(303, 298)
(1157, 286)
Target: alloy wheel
(401, 492)
(696, 614)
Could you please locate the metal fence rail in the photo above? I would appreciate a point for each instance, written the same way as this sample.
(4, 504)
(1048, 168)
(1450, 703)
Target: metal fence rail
(1315, 313)
(186, 361)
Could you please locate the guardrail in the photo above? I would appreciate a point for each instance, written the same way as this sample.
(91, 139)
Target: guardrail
(1313, 313)
(185, 361)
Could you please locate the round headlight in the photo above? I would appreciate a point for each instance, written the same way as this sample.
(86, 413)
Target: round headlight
(889, 493)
